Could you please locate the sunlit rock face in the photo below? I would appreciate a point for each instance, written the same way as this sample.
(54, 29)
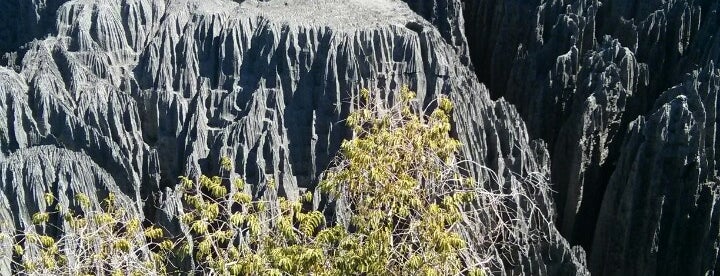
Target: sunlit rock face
(140, 92)
(614, 102)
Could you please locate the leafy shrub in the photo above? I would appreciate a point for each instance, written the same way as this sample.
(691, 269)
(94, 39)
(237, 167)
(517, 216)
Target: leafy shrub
(394, 181)
(396, 186)
(99, 241)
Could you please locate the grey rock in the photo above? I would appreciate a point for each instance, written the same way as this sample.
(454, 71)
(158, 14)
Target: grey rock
(27, 174)
(447, 16)
(145, 91)
(659, 213)
(494, 30)
(510, 163)
(25, 20)
(579, 72)
(588, 140)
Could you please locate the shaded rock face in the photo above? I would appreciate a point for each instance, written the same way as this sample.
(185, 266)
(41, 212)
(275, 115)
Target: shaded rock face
(660, 202)
(127, 95)
(22, 21)
(447, 17)
(624, 94)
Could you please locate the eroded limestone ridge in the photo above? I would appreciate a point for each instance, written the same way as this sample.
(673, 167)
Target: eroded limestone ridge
(140, 92)
(625, 95)
(613, 101)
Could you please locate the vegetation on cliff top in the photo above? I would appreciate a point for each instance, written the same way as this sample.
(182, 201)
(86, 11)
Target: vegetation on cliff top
(398, 200)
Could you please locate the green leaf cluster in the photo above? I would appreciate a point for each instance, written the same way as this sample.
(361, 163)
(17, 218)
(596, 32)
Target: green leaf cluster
(395, 182)
(402, 195)
(98, 240)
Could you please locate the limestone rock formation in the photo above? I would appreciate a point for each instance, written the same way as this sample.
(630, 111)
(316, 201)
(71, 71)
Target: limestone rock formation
(599, 116)
(29, 173)
(599, 81)
(147, 90)
(658, 214)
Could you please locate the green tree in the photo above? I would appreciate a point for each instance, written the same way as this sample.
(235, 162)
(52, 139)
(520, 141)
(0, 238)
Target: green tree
(395, 181)
(399, 201)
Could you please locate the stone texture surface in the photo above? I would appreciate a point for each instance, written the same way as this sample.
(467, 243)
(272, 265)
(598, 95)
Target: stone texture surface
(129, 94)
(624, 94)
(23, 20)
(613, 101)
(27, 174)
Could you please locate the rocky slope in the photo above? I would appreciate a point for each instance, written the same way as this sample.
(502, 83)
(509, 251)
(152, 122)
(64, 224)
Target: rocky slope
(625, 95)
(613, 101)
(143, 91)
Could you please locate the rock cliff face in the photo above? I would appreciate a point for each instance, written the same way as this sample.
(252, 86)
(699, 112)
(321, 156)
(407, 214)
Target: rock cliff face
(142, 91)
(612, 101)
(624, 93)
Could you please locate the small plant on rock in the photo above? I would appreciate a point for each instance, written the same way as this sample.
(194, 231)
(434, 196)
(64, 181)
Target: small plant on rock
(110, 240)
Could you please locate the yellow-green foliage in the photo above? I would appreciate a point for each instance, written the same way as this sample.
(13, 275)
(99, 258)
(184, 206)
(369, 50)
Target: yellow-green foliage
(100, 241)
(398, 179)
(234, 234)
(400, 188)
(395, 181)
